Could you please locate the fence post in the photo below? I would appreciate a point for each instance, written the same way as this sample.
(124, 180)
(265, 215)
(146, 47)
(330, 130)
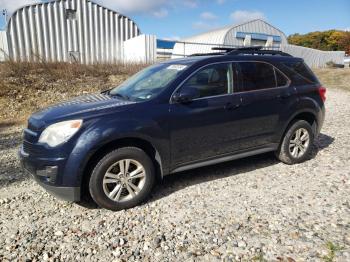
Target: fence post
(184, 49)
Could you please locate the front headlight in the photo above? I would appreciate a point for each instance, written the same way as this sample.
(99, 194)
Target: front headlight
(60, 133)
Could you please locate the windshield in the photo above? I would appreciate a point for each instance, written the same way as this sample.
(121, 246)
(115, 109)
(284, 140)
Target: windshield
(148, 83)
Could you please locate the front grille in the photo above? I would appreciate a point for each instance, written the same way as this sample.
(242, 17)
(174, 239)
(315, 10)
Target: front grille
(31, 149)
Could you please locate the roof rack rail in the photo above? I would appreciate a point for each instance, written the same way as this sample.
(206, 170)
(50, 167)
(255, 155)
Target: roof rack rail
(251, 50)
(258, 52)
(229, 49)
(207, 54)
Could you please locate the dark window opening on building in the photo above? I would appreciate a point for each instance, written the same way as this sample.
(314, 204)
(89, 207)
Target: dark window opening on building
(71, 14)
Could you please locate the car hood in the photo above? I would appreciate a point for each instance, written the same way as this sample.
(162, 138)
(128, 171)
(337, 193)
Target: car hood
(75, 107)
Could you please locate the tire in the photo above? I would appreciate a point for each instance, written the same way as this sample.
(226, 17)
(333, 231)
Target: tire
(286, 152)
(117, 173)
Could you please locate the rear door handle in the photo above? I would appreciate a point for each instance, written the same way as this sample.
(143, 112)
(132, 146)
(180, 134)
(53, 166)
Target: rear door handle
(231, 106)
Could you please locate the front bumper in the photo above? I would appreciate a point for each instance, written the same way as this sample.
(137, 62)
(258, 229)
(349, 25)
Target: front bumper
(45, 172)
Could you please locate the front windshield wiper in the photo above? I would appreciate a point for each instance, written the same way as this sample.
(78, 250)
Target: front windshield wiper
(125, 97)
(106, 92)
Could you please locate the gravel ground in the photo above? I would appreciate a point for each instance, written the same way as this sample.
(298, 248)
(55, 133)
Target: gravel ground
(255, 209)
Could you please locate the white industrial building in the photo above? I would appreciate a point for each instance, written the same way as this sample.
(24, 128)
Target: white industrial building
(67, 30)
(253, 33)
(256, 32)
(86, 32)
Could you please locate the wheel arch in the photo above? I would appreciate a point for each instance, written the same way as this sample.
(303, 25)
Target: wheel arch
(143, 144)
(309, 117)
(306, 115)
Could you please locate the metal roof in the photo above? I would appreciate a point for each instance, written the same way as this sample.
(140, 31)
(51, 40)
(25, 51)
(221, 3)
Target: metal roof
(218, 36)
(51, 1)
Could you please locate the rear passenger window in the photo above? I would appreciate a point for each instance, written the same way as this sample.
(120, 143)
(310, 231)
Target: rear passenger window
(255, 76)
(300, 73)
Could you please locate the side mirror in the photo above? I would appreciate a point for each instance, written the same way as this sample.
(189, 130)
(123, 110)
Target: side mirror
(186, 95)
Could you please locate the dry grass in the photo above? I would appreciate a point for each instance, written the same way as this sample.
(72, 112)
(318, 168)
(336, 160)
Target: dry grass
(27, 87)
(334, 77)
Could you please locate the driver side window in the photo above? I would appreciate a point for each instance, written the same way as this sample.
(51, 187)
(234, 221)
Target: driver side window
(213, 80)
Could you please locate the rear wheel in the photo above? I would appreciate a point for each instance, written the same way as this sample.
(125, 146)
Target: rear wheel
(296, 144)
(122, 179)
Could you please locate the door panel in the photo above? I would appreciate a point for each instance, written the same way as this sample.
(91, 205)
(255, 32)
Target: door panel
(204, 128)
(261, 112)
(263, 101)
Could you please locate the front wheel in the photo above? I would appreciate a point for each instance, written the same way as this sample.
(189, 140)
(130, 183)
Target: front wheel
(122, 179)
(296, 144)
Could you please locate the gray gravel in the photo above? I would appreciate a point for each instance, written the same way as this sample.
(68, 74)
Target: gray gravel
(252, 209)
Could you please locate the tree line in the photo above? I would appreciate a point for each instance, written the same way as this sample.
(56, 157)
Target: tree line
(331, 40)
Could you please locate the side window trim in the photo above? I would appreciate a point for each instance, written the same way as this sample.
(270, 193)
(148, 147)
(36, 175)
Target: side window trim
(236, 87)
(234, 82)
(275, 74)
(230, 79)
(284, 75)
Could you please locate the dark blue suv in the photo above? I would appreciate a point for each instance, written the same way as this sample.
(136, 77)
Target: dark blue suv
(171, 117)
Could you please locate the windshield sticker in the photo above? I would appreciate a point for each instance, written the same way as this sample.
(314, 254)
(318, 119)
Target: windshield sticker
(177, 67)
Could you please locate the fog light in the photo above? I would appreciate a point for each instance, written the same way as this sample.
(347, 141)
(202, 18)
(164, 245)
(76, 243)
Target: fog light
(48, 174)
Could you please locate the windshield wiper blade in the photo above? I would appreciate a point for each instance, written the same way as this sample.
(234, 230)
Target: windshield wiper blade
(106, 92)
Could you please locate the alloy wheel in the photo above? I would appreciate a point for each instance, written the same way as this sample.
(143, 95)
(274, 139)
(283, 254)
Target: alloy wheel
(299, 143)
(124, 180)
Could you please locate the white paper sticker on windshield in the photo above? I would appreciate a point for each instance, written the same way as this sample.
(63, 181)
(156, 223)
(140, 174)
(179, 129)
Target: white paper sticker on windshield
(177, 67)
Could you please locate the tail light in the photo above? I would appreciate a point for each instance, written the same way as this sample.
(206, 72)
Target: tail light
(322, 92)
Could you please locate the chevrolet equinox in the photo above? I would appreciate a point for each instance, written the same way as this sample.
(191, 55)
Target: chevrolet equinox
(174, 116)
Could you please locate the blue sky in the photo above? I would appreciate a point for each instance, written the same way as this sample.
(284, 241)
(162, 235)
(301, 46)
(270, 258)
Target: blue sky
(180, 18)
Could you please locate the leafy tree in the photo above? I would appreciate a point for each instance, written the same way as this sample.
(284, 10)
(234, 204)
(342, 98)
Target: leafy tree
(344, 43)
(332, 40)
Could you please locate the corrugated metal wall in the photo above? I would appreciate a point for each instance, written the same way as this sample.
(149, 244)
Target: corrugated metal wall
(68, 30)
(315, 58)
(151, 49)
(141, 49)
(255, 26)
(3, 45)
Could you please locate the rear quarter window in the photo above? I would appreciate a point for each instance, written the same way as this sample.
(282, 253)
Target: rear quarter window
(300, 73)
